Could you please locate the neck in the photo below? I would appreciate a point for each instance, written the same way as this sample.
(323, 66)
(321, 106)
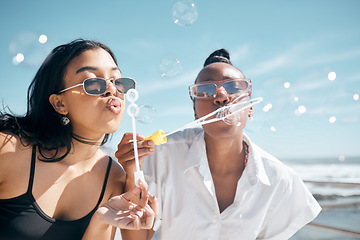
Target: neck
(79, 152)
(225, 155)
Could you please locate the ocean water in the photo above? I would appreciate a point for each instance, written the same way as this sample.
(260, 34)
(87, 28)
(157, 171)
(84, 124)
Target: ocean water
(336, 185)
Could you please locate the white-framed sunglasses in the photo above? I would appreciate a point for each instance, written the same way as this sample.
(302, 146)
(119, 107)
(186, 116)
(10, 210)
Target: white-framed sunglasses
(207, 90)
(97, 86)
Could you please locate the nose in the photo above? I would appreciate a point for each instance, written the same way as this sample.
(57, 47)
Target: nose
(221, 97)
(110, 87)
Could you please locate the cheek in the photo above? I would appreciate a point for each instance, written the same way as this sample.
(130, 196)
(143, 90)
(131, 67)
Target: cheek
(202, 108)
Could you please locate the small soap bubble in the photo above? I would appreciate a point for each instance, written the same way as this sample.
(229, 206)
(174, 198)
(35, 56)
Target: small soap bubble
(19, 57)
(332, 76)
(302, 109)
(273, 129)
(42, 39)
(170, 67)
(356, 96)
(296, 99)
(287, 85)
(184, 13)
(332, 119)
(146, 114)
(27, 44)
(267, 107)
(341, 158)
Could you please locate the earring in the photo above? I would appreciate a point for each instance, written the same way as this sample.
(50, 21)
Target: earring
(65, 120)
(251, 114)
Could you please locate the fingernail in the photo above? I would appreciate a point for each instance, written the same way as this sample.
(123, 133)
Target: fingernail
(150, 143)
(151, 149)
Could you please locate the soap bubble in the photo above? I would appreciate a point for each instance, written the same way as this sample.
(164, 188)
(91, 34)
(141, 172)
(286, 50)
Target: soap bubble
(146, 114)
(42, 39)
(332, 119)
(184, 13)
(332, 76)
(356, 96)
(170, 67)
(28, 45)
(287, 85)
(300, 110)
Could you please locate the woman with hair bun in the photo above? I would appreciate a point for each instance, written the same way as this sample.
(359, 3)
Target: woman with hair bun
(214, 182)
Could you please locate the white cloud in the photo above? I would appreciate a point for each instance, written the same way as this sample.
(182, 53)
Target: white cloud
(284, 59)
(154, 86)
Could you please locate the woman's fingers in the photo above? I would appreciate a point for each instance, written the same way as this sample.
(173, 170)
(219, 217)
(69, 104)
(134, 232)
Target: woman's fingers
(125, 151)
(153, 203)
(121, 212)
(144, 193)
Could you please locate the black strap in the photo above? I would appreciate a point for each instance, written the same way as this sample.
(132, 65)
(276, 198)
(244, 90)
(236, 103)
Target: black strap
(105, 183)
(32, 169)
(32, 172)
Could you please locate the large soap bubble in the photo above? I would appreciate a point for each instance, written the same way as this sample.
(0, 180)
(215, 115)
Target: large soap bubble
(170, 67)
(184, 13)
(146, 114)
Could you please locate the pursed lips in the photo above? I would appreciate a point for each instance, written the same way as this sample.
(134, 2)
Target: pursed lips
(114, 105)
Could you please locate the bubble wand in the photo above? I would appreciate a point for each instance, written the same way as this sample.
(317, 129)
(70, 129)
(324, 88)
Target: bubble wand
(159, 137)
(132, 110)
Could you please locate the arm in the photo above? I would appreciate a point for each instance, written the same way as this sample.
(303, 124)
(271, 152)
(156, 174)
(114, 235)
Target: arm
(122, 213)
(125, 156)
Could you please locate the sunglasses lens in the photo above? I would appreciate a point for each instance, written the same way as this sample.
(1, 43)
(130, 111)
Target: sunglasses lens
(95, 86)
(204, 90)
(237, 86)
(124, 84)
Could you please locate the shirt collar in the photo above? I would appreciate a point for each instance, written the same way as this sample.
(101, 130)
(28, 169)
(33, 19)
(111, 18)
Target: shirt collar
(196, 152)
(255, 170)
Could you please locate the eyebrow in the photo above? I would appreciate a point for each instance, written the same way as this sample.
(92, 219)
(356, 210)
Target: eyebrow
(89, 68)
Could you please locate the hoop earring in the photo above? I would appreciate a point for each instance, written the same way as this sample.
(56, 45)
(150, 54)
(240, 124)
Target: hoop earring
(65, 120)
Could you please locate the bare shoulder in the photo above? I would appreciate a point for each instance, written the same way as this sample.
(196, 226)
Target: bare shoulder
(8, 142)
(11, 147)
(13, 159)
(117, 178)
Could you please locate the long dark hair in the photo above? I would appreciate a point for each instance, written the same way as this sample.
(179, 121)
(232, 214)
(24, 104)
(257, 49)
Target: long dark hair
(41, 125)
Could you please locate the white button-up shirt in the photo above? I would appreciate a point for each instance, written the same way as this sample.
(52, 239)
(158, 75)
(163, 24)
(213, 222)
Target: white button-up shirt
(271, 201)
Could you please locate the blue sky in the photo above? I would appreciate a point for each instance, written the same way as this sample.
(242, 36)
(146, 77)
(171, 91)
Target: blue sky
(272, 42)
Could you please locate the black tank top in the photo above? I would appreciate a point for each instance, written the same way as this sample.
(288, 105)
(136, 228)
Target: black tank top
(22, 219)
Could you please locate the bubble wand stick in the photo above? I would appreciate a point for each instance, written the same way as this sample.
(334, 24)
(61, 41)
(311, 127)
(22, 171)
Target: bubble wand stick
(159, 137)
(132, 110)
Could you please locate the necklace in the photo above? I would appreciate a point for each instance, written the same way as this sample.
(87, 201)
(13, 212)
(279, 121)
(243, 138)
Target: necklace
(246, 149)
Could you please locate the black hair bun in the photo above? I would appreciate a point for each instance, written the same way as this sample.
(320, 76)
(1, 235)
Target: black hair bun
(220, 55)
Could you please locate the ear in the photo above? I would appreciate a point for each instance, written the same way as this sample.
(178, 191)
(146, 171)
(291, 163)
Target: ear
(58, 104)
(195, 115)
